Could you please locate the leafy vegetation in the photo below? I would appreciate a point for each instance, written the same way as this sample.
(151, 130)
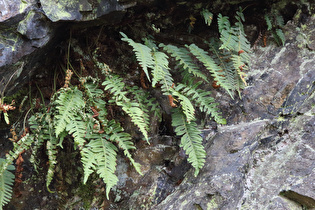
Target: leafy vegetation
(80, 112)
(275, 23)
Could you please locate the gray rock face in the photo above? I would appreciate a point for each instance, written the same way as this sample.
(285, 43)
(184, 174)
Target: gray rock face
(78, 10)
(28, 29)
(267, 159)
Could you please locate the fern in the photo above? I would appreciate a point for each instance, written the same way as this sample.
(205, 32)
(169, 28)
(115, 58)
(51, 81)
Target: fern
(143, 54)
(115, 85)
(268, 22)
(191, 141)
(230, 77)
(208, 16)
(100, 155)
(161, 73)
(69, 101)
(182, 55)
(203, 99)
(279, 36)
(187, 107)
(123, 140)
(77, 128)
(51, 147)
(142, 98)
(23, 144)
(6, 177)
(235, 43)
(91, 89)
(79, 113)
(216, 71)
(274, 23)
(6, 182)
(279, 20)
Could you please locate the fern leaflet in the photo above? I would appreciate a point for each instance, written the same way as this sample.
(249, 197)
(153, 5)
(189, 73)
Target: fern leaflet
(6, 182)
(51, 147)
(115, 85)
(191, 141)
(143, 54)
(279, 36)
(203, 99)
(208, 16)
(100, 155)
(186, 105)
(123, 140)
(68, 102)
(161, 71)
(182, 55)
(216, 71)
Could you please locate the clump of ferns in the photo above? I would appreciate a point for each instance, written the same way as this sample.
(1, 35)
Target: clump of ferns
(275, 23)
(226, 60)
(81, 111)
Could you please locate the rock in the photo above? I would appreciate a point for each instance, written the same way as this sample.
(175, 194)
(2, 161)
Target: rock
(29, 30)
(267, 159)
(78, 10)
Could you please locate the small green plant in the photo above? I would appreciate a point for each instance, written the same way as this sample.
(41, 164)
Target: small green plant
(225, 62)
(6, 181)
(80, 112)
(275, 23)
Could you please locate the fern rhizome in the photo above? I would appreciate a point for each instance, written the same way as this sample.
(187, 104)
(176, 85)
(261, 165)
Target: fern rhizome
(81, 111)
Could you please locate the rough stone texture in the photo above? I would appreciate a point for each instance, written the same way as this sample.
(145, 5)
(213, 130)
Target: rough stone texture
(78, 10)
(267, 159)
(28, 31)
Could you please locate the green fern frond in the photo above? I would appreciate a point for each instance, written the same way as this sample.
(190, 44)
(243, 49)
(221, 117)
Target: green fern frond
(203, 100)
(186, 105)
(268, 22)
(6, 182)
(51, 147)
(279, 20)
(6, 177)
(182, 56)
(208, 16)
(142, 98)
(275, 26)
(68, 102)
(77, 128)
(279, 36)
(91, 89)
(100, 155)
(23, 144)
(115, 131)
(233, 38)
(216, 71)
(223, 23)
(161, 73)
(143, 54)
(235, 43)
(137, 115)
(115, 85)
(191, 141)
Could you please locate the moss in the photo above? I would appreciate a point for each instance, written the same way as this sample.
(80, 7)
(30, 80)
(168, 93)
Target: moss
(23, 6)
(212, 204)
